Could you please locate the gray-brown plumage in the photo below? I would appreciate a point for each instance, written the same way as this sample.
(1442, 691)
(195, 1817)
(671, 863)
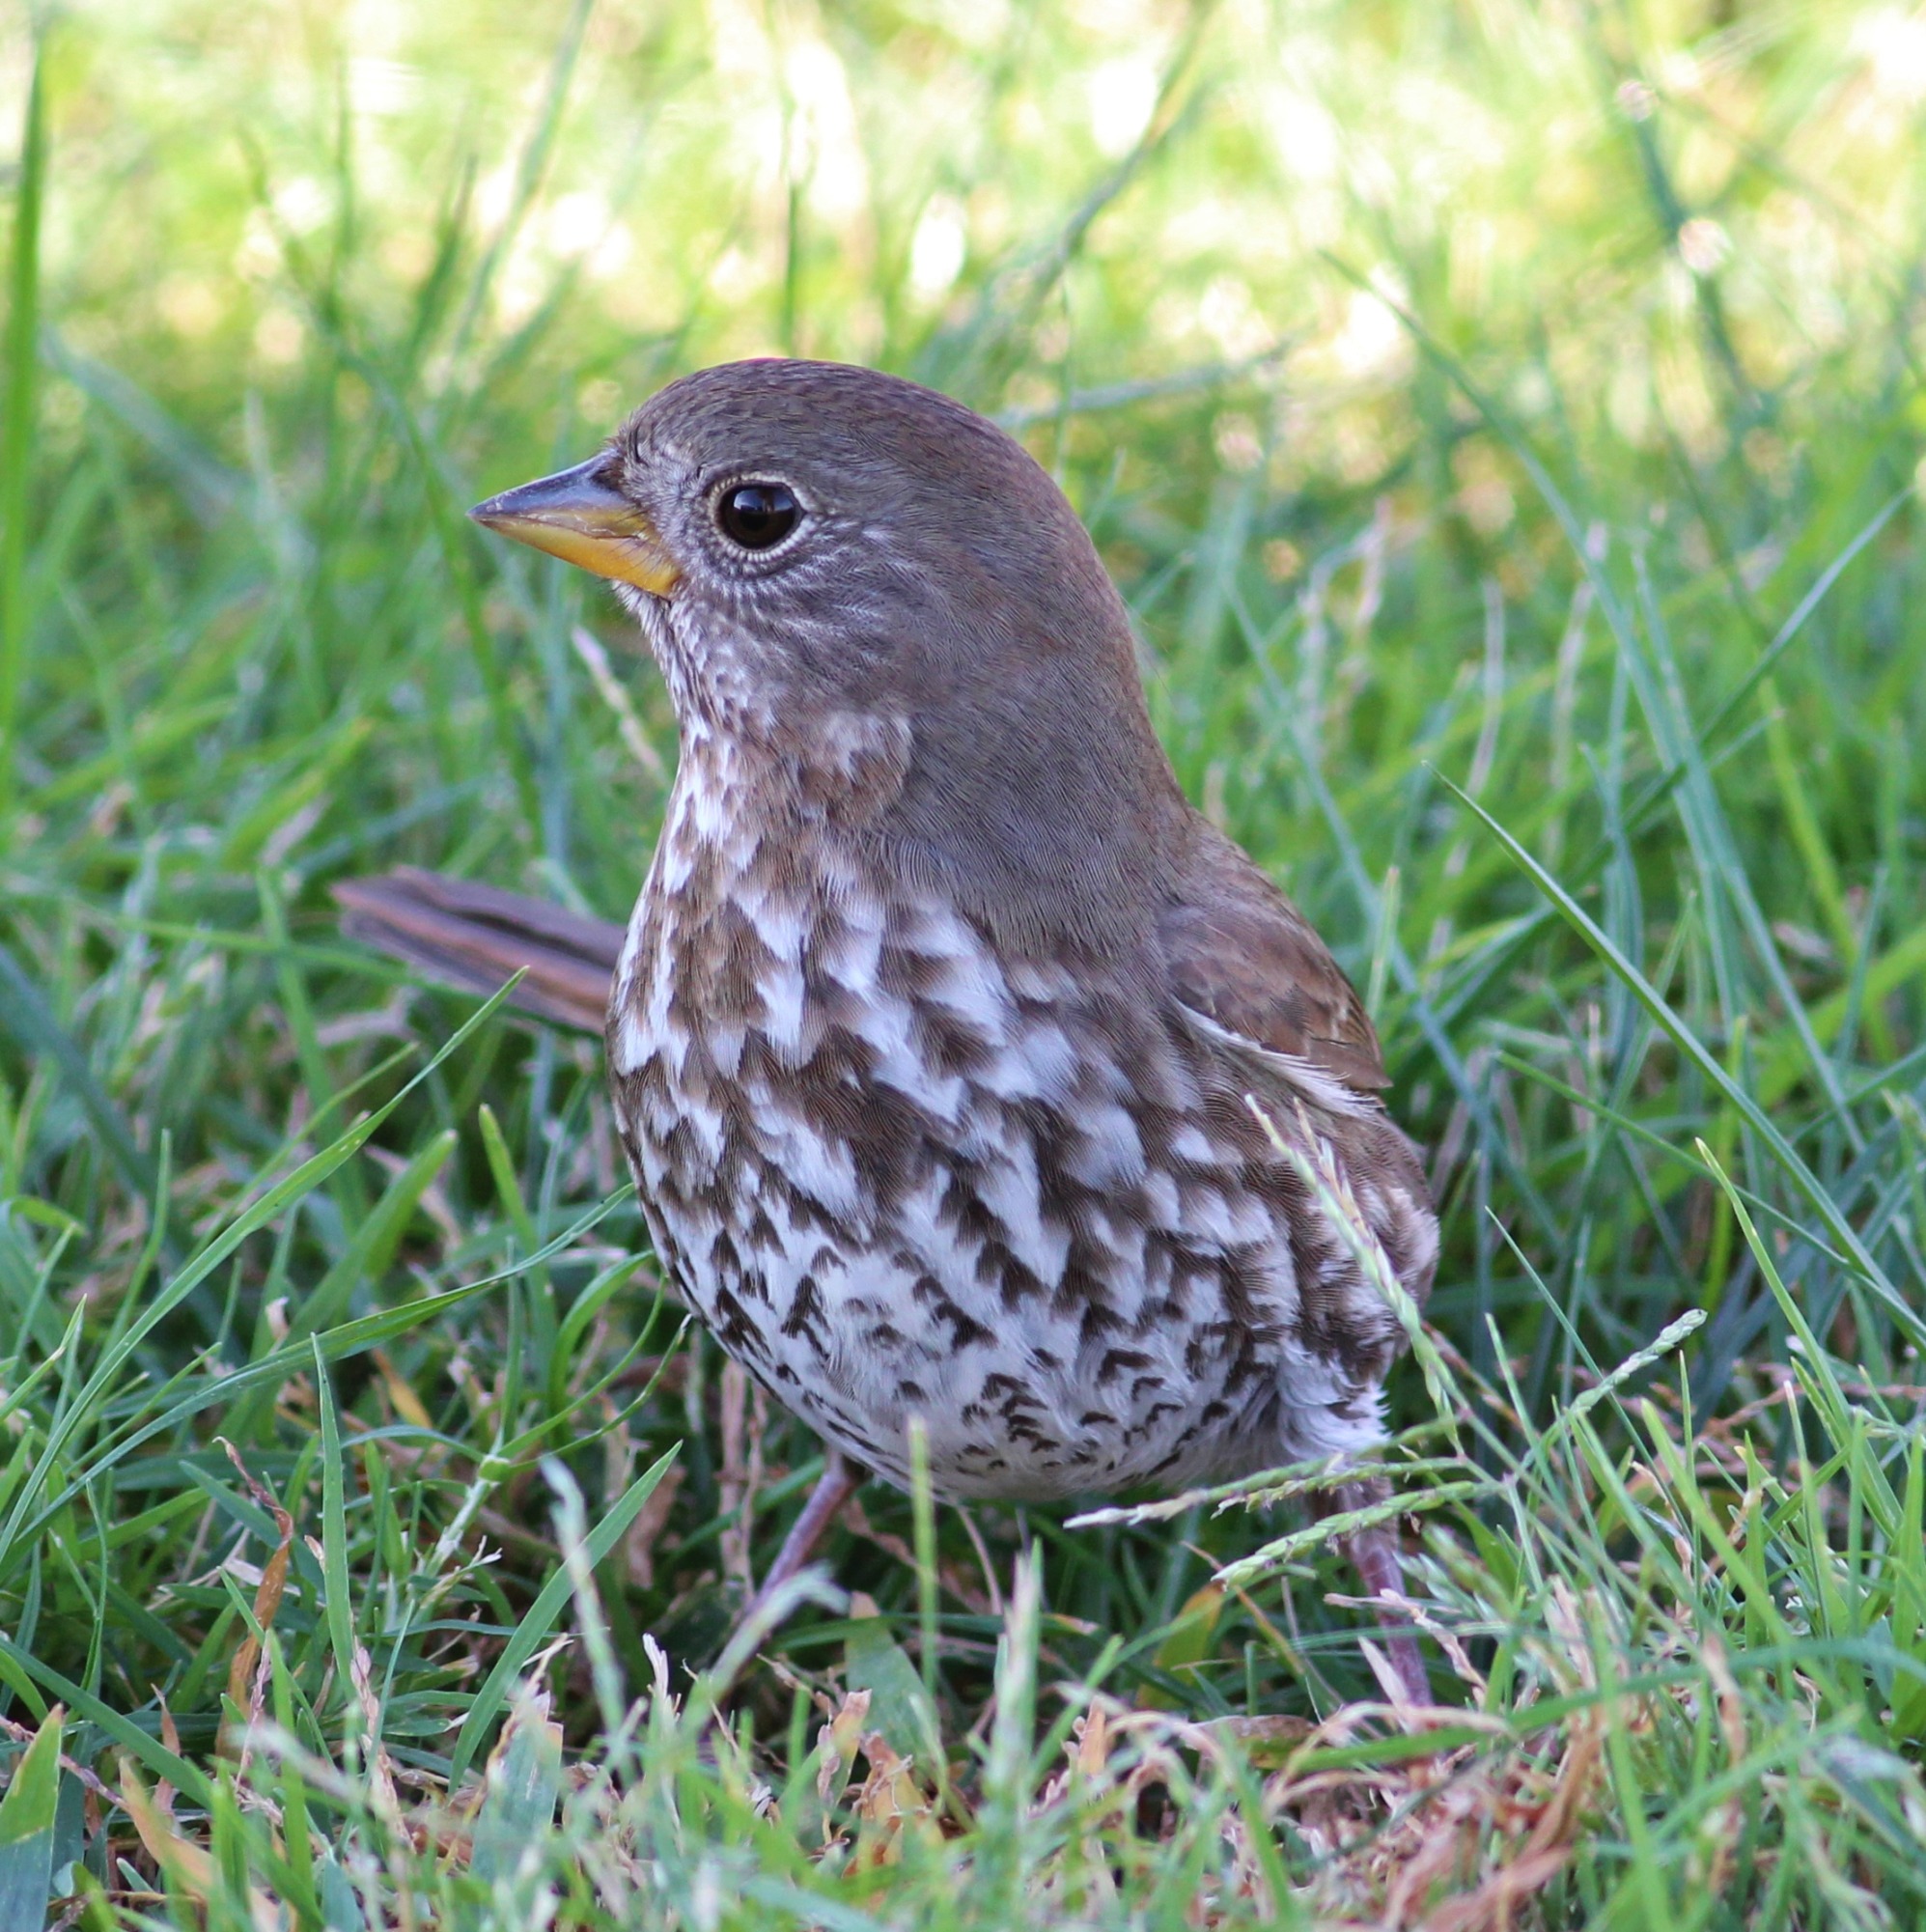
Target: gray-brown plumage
(934, 1032)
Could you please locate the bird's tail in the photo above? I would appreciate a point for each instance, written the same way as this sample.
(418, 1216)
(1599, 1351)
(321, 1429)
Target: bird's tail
(475, 937)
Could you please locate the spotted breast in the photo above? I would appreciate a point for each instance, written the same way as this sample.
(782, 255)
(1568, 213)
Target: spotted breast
(902, 1168)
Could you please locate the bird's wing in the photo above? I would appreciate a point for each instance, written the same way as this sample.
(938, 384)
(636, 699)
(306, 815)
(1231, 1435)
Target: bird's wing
(1240, 955)
(476, 937)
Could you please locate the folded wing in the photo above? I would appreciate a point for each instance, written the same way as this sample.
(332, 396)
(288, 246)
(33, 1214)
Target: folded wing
(1254, 979)
(1240, 954)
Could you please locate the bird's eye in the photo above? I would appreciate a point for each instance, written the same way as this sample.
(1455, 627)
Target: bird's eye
(757, 515)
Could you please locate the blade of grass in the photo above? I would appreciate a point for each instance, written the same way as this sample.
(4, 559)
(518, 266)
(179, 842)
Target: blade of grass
(1844, 1235)
(17, 446)
(542, 1613)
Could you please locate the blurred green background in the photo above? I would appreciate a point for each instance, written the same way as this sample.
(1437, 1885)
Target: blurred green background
(1520, 399)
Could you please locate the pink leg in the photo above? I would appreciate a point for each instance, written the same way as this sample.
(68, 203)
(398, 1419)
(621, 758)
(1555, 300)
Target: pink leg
(838, 1482)
(1374, 1555)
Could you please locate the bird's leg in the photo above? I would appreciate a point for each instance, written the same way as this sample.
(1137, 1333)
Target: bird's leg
(1374, 1555)
(839, 1481)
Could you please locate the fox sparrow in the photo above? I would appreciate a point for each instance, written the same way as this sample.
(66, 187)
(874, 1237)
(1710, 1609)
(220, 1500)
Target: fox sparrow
(933, 1035)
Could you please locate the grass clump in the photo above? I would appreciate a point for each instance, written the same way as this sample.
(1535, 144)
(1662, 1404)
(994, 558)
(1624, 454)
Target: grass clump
(1504, 426)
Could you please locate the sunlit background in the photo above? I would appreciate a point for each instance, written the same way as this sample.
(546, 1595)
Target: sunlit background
(653, 186)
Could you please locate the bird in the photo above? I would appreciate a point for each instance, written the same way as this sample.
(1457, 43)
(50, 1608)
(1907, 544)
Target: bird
(954, 1052)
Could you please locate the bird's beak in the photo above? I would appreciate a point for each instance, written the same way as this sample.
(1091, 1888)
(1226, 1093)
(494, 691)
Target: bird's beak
(578, 517)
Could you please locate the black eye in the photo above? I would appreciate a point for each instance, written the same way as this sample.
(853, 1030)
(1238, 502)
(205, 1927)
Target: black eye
(757, 515)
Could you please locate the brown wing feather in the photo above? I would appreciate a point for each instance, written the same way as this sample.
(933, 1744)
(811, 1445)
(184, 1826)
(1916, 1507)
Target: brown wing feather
(1239, 953)
(476, 937)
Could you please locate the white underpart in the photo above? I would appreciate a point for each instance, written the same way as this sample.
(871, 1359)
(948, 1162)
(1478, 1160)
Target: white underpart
(886, 1028)
(780, 986)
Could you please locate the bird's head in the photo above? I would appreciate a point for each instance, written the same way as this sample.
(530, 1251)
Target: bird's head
(822, 556)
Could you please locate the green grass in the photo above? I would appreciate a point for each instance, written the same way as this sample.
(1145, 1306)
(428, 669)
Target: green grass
(1503, 422)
